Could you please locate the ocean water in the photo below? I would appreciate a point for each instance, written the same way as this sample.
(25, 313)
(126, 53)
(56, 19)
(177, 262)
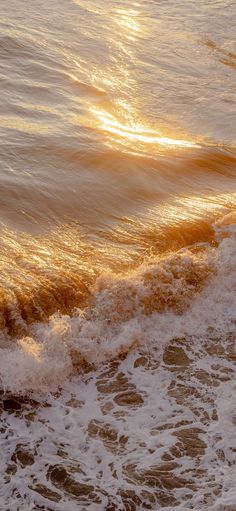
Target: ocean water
(117, 255)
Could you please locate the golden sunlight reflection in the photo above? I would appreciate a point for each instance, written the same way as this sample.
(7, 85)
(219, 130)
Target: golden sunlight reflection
(188, 209)
(119, 117)
(127, 20)
(132, 132)
(171, 226)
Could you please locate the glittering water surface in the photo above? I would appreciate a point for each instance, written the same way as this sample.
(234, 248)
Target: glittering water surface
(117, 237)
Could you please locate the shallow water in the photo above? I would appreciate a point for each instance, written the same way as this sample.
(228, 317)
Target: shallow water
(117, 283)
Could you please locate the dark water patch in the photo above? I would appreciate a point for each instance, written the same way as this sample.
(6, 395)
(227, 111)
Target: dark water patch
(64, 481)
(17, 404)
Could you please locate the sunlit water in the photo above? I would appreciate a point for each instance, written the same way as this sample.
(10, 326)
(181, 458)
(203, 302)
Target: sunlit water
(118, 251)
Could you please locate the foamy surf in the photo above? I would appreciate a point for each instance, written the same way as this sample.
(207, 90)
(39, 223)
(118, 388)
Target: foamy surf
(177, 295)
(122, 312)
(143, 414)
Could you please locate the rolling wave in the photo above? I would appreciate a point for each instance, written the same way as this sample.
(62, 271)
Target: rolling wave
(113, 313)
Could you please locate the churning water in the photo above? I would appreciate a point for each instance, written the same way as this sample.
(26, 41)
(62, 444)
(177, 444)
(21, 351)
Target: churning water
(118, 255)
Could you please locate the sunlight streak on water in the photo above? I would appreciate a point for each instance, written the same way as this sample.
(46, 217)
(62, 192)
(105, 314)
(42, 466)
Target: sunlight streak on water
(136, 133)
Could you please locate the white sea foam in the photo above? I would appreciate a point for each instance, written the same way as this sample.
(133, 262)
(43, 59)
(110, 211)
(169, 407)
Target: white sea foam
(147, 431)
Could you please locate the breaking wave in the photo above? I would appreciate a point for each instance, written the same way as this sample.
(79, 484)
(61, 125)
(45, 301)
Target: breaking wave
(184, 293)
